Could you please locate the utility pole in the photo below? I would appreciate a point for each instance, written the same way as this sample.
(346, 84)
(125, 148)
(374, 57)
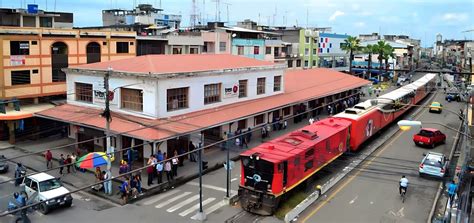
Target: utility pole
(107, 116)
(200, 215)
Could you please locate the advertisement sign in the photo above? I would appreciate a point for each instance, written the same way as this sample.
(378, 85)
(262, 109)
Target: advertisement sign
(17, 60)
(231, 90)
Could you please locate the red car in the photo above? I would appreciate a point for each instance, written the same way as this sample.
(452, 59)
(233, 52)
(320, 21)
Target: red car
(429, 137)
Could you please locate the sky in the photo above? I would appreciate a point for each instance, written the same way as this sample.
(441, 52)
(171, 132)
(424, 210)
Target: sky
(420, 19)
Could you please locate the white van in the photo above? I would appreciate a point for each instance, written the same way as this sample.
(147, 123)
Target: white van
(44, 187)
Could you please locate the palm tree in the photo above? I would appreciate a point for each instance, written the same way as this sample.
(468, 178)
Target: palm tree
(351, 45)
(379, 49)
(369, 49)
(389, 53)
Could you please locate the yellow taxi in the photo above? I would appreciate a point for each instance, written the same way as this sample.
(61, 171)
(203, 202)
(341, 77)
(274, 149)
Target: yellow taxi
(436, 107)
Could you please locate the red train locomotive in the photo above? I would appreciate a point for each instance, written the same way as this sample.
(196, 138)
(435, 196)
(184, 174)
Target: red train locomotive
(273, 168)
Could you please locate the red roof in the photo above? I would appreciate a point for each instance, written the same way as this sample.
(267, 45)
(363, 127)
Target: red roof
(178, 63)
(298, 141)
(300, 85)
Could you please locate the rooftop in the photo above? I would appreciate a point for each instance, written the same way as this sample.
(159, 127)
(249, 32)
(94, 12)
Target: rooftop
(300, 85)
(182, 63)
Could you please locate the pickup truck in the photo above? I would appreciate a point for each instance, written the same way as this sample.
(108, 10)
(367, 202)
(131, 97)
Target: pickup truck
(429, 137)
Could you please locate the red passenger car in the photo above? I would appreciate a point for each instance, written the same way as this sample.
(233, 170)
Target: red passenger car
(277, 166)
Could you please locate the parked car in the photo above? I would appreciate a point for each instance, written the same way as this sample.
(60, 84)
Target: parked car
(3, 164)
(429, 137)
(44, 187)
(434, 164)
(436, 107)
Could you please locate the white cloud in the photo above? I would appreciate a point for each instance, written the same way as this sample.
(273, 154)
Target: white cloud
(359, 24)
(335, 15)
(455, 17)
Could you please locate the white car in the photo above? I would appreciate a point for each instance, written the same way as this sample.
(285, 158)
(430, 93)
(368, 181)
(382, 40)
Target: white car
(434, 164)
(44, 187)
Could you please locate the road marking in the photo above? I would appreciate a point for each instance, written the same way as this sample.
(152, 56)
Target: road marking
(211, 187)
(161, 196)
(172, 200)
(233, 179)
(364, 166)
(400, 212)
(182, 203)
(211, 209)
(353, 200)
(195, 207)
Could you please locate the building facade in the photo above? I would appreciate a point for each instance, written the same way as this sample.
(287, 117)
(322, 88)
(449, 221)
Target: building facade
(31, 66)
(330, 53)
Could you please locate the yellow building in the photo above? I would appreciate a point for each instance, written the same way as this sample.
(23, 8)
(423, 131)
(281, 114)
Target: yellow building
(31, 60)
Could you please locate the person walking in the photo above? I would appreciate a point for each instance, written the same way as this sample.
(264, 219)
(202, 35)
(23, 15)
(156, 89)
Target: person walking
(124, 190)
(107, 182)
(285, 124)
(248, 135)
(192, 155)
(175, 162)
(150, 170)
(68, 163)
(168, 170)
(49, 159)
(311, 121)
(159, 171)
(61, 164)
(73, 162)
(452, 187)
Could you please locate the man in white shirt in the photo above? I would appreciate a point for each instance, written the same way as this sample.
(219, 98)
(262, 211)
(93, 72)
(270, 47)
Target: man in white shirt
(403, 184)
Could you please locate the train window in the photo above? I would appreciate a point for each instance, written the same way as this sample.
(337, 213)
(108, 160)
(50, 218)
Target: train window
(297, 161)
(245, 161)
(308, 165)
(280, 167)
(309, 153)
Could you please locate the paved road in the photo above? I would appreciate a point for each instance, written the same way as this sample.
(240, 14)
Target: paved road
(370, 193)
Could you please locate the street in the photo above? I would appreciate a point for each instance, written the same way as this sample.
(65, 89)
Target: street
(370, 192)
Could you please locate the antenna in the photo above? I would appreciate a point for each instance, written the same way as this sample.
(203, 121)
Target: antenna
(203, 12)
(194, 15)
(307, 18)
(227, 4)
(218, 10)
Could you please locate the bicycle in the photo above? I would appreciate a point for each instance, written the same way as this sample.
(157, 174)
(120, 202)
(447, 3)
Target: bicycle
(403, 194)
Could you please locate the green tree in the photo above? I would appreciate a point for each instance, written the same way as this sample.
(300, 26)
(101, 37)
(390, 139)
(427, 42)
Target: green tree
(351, 45)
(369, 49)
(379, 48)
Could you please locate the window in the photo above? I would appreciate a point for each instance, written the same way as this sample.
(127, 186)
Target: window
(268, 50)
(309, 153)
(306, 39)
(21, 77)
(83, 92)
(314, 63)
(177, 98)
(222, 46)
(298, 63)
(259, 119)
(242, 124)
(277, 83)
(306, 63)
(19, 48)
(256, 50)
(315, 51)
(122, 47)
(212, 93)
(193, 50)
(306, 51)
(308, 165)
(132, 99)
(242, 88)
(297, 161)
(177, 51)
(240, 50)
(290, 63)
(46, 22)
(286, 111)
(261, 85)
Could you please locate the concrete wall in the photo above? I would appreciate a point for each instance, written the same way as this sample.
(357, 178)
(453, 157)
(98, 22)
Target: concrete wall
(248, 45)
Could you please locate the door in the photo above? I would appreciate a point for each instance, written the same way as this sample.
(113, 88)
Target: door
(59, 60)
(285, 173)
(93, 52)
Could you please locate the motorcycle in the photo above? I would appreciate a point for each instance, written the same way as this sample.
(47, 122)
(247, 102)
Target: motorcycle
(20, 174)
